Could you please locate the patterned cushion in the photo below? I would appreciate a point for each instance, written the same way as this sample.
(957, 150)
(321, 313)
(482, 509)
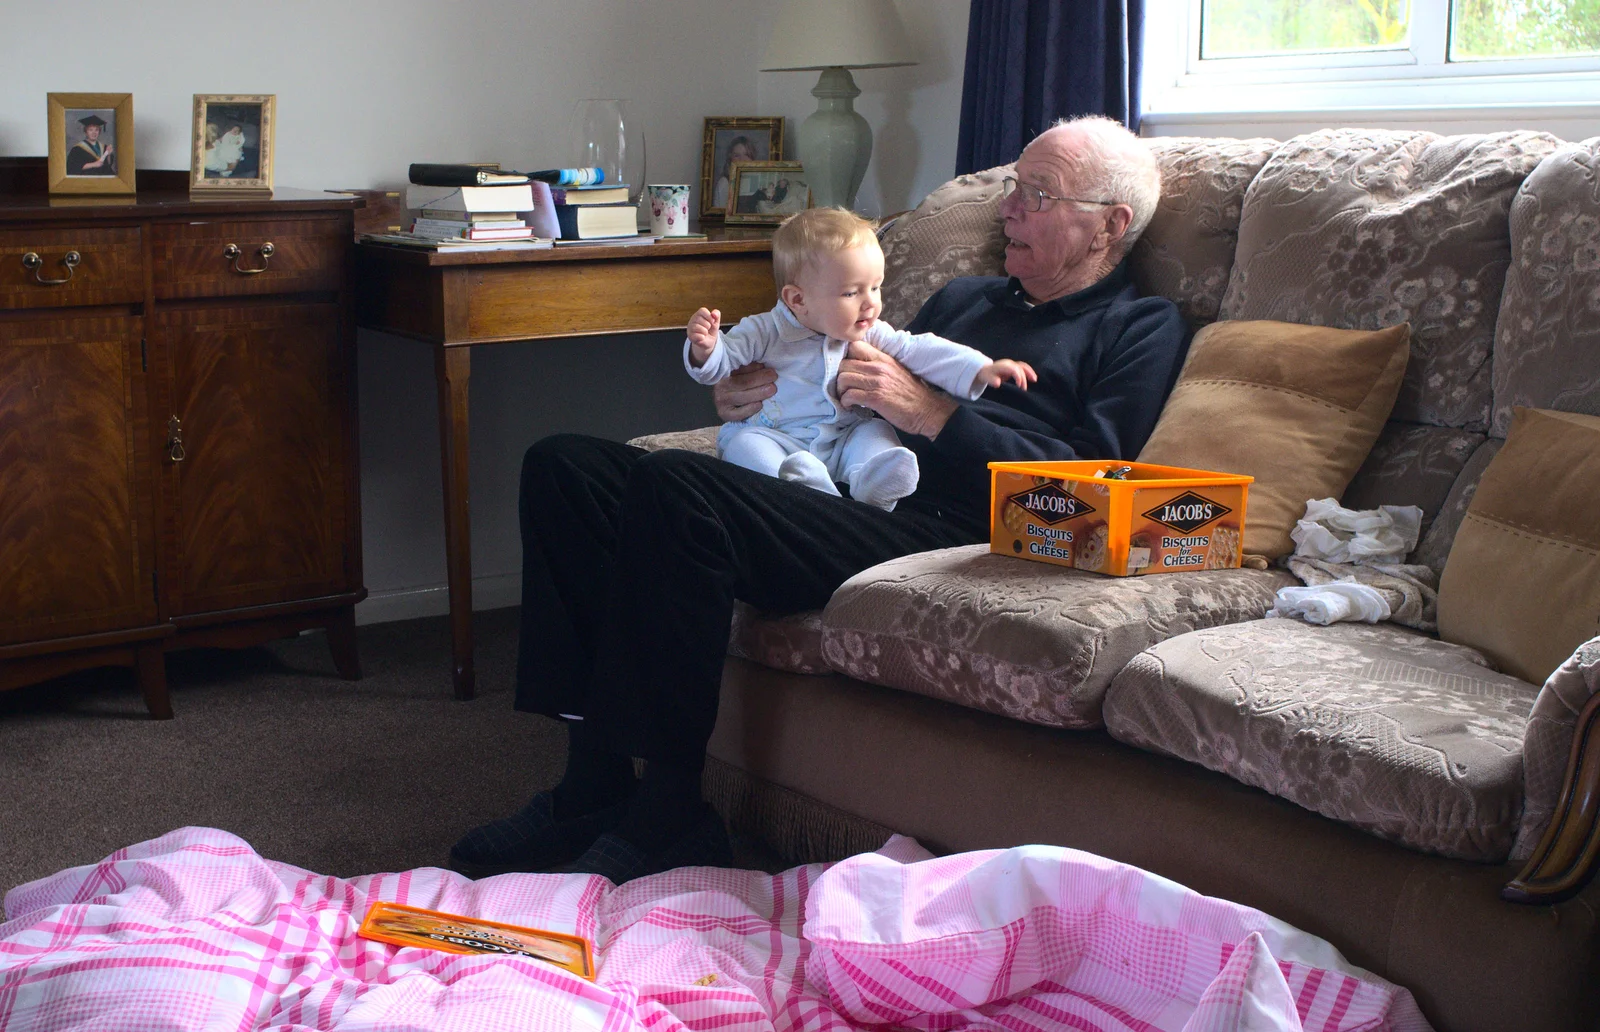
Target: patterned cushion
(1412, 464)
(703, 440)
(1187, 250)
(1547, 344)
(1441, 533)
(1380, 727)
(1366, 228)
(791, 642)
(1547, 744)
(954, 232)
(1023, 639)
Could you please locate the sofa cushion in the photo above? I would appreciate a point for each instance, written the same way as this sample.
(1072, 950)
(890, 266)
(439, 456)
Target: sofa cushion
(1412, 464)
(1547, 343)
(955, 231)
(1364, 228)
(791, 642)
(703, 440)
(1187, 250)
(1023, 639)
(1296, 407)
(1441, 533)
(1391, 731)
(1522, 583)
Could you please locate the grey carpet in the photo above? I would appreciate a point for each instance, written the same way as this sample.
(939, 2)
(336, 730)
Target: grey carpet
(339, 777)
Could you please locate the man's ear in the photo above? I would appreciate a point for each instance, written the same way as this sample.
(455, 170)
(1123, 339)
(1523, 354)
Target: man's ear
(1118, 219)
(792, 296)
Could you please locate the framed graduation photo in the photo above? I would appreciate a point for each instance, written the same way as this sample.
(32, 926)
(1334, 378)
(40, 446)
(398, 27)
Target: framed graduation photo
(91, 143)
(231, 148)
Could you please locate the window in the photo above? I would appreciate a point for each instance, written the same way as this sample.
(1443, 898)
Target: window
(1218, 55)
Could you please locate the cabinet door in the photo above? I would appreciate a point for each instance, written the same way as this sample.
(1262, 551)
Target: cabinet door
(76, 535)
(259, 495)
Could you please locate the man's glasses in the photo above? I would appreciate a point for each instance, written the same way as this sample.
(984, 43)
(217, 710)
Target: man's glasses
(1033, 198)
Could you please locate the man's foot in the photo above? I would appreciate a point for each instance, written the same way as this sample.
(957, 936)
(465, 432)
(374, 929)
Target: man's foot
(885, 478)
(805, 468)
(705, 844)
(531, 839)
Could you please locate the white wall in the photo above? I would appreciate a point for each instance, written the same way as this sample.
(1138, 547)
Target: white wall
(365, 87)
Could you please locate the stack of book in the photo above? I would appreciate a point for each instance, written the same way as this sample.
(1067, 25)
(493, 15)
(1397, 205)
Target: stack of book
(598, 212)
(452, 218)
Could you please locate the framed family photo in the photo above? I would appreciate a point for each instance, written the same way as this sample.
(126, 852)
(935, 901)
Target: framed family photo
(231, 148)
(91, 143)
(764, 193)
(729, 141)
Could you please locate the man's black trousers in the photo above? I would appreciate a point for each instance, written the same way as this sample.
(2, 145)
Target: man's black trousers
(632, 560)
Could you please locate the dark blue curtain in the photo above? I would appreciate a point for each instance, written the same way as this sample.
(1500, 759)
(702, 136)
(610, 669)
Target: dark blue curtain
(1030, 62)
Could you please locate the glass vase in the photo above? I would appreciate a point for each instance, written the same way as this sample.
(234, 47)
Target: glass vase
(603, 136)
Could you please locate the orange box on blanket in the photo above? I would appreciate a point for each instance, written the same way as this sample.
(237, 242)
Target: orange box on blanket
(1160, 519)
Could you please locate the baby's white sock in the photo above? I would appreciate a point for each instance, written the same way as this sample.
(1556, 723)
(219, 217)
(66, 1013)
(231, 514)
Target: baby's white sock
(805, 468)
(885, 478)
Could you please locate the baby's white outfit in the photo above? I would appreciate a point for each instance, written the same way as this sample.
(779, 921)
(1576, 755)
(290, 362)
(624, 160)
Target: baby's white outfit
(802, 432)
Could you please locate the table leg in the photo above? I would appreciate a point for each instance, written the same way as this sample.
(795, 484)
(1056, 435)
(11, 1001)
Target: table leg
(453, 367)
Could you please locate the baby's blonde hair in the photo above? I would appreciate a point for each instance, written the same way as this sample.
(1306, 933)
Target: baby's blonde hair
(813, 234)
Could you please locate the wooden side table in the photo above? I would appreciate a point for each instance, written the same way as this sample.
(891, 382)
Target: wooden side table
(454, 301)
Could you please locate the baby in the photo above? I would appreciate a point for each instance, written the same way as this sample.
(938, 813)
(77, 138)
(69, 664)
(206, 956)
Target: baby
(829, 270)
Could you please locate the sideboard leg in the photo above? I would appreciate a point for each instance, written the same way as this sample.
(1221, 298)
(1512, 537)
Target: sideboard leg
(342, 643)
(150, 666)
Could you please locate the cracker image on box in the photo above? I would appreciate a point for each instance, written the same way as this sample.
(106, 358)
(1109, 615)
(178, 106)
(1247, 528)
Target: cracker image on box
(1155, 519)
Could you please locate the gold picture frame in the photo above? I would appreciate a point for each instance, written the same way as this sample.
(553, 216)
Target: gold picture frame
(91, 143)
(230, 144)
(761, 137)
(784, 184)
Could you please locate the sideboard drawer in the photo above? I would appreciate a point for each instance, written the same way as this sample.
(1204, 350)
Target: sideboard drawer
(238, 256)
(49, 268)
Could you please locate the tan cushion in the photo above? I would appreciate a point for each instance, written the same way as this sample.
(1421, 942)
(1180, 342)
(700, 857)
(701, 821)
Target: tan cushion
(1023, 639)
(955, 231)
(1522, 583)
(1296, 407)
(1377, 726)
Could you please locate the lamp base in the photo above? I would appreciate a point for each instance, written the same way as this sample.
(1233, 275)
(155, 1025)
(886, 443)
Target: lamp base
(834, 142)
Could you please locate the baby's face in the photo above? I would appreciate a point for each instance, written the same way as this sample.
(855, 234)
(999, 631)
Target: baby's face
(841, 295)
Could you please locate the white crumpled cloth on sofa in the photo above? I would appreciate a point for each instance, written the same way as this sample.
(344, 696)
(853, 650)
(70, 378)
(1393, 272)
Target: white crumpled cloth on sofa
(193, 930)
(1352, 563)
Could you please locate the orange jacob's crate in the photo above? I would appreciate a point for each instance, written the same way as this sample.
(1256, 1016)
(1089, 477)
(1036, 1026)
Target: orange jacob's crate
(1159, 519)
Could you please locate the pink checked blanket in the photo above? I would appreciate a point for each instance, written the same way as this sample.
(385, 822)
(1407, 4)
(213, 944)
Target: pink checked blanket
(193, 930)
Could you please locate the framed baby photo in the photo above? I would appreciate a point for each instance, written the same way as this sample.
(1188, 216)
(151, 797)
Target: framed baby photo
(231, 147)
(91, 143)
(764, 193)
(727, 142)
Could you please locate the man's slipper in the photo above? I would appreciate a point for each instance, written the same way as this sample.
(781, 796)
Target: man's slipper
(705, 844)
(530, 839)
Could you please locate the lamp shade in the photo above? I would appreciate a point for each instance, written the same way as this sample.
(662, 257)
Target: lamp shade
(816, 34)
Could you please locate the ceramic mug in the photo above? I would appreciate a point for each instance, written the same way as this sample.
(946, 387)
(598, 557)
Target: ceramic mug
(669, 209)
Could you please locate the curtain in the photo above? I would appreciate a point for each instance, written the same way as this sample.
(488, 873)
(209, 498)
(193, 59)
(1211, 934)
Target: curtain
(1030, 62)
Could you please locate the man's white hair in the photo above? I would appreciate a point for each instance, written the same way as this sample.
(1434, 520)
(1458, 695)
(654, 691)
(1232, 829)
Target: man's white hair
(1114, 164)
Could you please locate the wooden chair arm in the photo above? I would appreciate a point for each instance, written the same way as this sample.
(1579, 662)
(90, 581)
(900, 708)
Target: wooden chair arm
(1566, 857)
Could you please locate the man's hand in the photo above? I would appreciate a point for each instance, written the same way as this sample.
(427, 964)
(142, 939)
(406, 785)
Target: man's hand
(998, 372)
(703, 329)
(740, 396)
(872, 379)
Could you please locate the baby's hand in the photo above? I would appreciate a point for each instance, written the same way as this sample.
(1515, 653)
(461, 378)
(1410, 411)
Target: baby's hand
(996, 373)
(703, 328)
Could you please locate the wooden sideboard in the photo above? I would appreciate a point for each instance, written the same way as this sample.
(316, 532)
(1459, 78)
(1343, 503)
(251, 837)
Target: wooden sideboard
(178, 460)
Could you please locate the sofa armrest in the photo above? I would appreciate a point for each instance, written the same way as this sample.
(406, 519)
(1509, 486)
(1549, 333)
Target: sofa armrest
(1560, 833)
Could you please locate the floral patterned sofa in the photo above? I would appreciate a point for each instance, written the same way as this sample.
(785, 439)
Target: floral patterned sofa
(1394, 793)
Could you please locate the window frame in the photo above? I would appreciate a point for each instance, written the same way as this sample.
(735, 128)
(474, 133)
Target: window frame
(1177, 80)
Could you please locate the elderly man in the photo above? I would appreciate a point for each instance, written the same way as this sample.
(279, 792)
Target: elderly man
(632, 561)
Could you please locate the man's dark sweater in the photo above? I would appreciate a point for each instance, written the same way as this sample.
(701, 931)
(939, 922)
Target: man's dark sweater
(1106, 360)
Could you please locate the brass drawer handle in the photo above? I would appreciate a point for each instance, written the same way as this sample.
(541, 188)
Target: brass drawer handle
(266, 251)
(175, 440)
(31, 260)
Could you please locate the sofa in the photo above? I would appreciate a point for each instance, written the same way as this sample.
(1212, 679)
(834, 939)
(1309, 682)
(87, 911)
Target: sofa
(1394, 792)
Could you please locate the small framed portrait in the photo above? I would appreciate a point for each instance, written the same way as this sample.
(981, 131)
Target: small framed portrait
(764, 193)
(728, 141)
(91, 143)
(231, 148)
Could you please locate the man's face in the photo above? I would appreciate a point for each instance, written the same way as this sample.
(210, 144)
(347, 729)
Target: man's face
(841, 295)
(1047, 245)
(91, 133)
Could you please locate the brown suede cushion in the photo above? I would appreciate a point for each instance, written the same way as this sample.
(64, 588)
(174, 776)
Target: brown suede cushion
(1522, 584)
(1296, 407)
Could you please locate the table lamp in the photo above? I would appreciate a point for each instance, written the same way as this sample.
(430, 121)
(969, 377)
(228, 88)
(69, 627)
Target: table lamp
(835, 142)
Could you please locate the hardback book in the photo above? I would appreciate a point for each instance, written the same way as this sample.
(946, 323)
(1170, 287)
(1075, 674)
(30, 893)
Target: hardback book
(516, 198)
(400, 925)
(593, 221)
(507, 233)
(477, 218)
(589, 194)
(455, 244)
